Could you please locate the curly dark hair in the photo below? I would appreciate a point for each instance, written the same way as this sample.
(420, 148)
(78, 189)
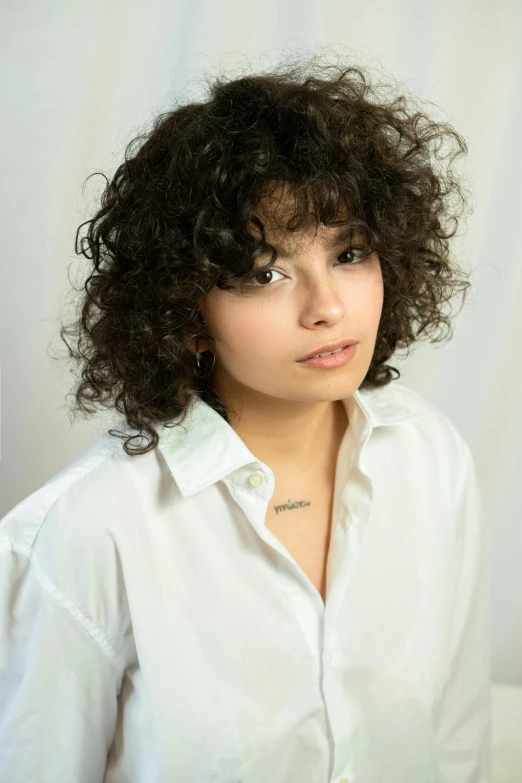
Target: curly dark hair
(174, 222)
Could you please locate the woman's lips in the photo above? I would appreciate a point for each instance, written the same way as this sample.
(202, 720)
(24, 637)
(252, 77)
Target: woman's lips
(333, 360)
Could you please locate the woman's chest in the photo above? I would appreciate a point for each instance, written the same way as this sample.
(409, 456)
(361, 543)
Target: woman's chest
(222, 644)
(301, 521)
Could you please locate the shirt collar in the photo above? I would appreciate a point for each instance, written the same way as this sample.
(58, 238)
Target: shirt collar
(205, 448)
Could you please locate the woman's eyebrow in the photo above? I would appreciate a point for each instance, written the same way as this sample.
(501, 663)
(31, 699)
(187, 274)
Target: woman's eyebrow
(334, 241)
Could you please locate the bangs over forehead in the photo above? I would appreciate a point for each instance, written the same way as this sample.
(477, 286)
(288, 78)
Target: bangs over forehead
(287, 211)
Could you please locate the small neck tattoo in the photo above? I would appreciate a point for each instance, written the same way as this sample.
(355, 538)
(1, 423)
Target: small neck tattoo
(290, 506)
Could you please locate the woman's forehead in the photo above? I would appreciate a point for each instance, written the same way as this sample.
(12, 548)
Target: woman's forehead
(275, 213)
(288, 242)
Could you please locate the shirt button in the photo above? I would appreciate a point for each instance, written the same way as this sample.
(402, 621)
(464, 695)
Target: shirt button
(344, 780)
(331, 660)
(256, 479)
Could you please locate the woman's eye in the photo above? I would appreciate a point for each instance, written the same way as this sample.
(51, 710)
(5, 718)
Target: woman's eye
(259, 274)
(358, 256)
(357, 253)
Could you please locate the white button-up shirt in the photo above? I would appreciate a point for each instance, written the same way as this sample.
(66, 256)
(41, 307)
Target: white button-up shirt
(153, 630)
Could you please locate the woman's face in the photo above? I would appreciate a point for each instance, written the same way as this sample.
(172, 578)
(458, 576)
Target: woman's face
(312, 296)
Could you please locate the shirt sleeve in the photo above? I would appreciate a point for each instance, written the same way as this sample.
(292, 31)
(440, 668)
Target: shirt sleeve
(463, 715)
(58, 686)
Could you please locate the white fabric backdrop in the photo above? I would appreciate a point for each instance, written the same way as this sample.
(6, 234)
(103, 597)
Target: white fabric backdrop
(82, 78)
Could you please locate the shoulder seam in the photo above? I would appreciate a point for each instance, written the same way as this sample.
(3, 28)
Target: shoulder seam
(467, 465)
(95, 633)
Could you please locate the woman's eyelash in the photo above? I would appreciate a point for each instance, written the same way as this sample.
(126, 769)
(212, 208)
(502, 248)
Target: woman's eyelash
(365, 255)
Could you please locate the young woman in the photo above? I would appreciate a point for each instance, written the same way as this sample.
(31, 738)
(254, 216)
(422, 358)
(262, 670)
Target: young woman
(289, 580)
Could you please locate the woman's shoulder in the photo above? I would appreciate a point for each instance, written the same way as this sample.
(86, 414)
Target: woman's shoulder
(426, 413)
(62, 540)
(427, 435)
(75, 521)
(79, 483)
